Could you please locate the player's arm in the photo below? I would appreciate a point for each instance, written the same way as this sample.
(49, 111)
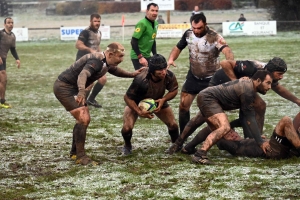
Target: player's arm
(15, 55)
(282, 91)
(224, 48)
(119, 72)
(228, 53)
(135, 47)
(80, 43)
(160, 102)
(248, 120)
(177, 50)
(153, 50)
(81, 81)
(228, 66)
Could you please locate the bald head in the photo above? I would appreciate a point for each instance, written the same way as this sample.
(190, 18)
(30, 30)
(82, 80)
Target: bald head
(114, 53)
(115, 47)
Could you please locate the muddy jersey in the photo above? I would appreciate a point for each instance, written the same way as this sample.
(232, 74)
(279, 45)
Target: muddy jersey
(203, 52)
(242, 68)
(232, 95)
(95, 63)
(7, 41)
(91, 39)
(281, 147)
(143, 86)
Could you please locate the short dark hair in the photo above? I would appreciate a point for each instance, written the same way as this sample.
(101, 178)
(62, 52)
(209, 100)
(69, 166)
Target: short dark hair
(261, 74)
(198, 17)
(151, 4)
(95, 15)
(6, 19)
(276, 64)
(157, 62)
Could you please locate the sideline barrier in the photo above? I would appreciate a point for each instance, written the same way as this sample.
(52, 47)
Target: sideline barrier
(171, 30)
(249, 28)
(72, 33)
(21, 34)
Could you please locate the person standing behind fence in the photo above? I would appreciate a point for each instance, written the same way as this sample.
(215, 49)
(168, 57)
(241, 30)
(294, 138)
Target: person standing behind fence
(242, 18)
(160, 20)
(89, 42)
(143, 39)
(7, 42)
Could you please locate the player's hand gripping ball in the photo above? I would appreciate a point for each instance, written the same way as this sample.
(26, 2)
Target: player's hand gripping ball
(147, 105)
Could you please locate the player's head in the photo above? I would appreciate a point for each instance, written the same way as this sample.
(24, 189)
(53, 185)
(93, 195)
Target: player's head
(95, 20)
(152, 11)
(262, 80)
(8, 24)
(198, 23)
(158, 66)
(276, 64)
(277, 67)
(114, 53)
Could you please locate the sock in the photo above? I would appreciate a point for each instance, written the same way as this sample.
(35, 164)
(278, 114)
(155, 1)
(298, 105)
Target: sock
(235, 123)
(184, 118)
(199, 138)
(80, 135)
(73, 147)
(200, 153)
(127, 138)
(95, 91)
(174, 135)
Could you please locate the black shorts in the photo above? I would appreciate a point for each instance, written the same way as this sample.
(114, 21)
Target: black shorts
(193, 85)
(208, 106)
(280, 147)
(3, 66)
(66, 93)
(218, 78)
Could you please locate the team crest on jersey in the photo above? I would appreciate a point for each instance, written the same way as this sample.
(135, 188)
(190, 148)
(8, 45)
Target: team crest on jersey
(137, 30)
(153, 35)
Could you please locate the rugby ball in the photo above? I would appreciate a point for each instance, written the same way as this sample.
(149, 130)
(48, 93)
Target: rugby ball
(147, 105)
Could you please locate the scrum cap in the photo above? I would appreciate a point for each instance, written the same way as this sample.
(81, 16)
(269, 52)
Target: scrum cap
(157, 62)
(276, 64)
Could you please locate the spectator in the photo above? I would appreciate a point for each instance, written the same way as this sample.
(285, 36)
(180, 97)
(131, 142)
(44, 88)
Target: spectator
(196, 10)
(242, 18)
(160, 20)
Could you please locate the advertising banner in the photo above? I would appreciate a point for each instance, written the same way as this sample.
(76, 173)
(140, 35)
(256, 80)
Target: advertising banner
(72, 33)
(21, 34)
(249, 28)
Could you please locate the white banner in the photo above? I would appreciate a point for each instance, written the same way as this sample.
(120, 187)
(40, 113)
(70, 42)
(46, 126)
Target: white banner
(72, 33)
(21, 34)
(249, 28)
(162, 4)
(169, 33)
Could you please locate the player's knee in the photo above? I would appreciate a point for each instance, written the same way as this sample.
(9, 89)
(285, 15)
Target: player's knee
(126, 129)
(286, 120)
(225, 129)
(172, 125)
(102, 80)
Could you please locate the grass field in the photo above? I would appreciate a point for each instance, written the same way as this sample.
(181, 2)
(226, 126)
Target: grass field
(35, 136)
